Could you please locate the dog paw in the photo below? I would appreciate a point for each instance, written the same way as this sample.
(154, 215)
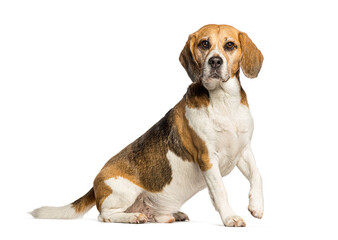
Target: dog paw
(139, 218)
(165, 218)
(180, 217)
(234, 221)
(256, 206)
(257, 213)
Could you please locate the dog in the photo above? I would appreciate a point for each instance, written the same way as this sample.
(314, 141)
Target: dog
(203, 138)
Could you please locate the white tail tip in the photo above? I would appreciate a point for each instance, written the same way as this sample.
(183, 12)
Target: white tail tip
(65, 212)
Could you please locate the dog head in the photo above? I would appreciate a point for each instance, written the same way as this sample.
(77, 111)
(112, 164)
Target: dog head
(215, 53)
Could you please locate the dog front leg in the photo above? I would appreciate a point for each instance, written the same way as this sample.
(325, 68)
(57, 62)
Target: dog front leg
(219, 197)
(247, 165)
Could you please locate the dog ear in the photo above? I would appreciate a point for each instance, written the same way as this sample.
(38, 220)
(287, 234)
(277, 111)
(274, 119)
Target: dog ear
(188, 61)
(252, 58)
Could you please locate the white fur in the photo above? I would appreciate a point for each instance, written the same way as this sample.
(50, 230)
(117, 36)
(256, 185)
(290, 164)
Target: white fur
(226, 127)
(65, 212)
(124, 194)
(165, 218)
(207, 68)
(120, 199)
(186, 181)
(213, 83)
(247, 165)
(121, 217)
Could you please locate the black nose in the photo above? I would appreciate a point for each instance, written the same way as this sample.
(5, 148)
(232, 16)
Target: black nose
(215, 62)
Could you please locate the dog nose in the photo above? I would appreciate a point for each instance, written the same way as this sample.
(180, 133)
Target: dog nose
(215, 62)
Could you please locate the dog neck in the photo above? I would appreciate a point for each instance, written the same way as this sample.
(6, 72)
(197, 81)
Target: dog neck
(227, 93)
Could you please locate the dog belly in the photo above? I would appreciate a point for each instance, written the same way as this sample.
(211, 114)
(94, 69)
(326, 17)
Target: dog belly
(187, 180)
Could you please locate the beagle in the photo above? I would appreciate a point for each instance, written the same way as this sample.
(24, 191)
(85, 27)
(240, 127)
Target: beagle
(203, 138)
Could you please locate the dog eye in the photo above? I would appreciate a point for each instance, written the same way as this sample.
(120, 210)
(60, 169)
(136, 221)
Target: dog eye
(205, 44)
(229, 45)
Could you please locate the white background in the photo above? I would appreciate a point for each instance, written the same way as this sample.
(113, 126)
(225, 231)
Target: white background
(82, 79)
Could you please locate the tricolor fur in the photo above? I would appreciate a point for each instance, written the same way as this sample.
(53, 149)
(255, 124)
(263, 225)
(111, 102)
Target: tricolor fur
(203, 138)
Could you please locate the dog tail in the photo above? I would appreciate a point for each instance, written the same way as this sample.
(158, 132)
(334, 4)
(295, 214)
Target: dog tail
(74, 210)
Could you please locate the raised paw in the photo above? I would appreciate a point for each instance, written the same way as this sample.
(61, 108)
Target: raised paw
(256, 212)
(180, 217)
(256, 206)
(139, 218)
(234, 221)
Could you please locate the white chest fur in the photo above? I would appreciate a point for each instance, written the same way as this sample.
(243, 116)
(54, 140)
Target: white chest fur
(226, 125)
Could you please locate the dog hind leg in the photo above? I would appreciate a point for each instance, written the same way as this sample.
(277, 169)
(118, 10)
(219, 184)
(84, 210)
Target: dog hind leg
(122, 195)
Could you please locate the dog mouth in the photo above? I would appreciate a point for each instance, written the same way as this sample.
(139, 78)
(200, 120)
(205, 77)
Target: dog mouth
(216, 75)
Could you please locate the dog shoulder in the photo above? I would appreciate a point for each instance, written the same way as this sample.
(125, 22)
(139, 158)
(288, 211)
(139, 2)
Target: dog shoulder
(197, 96)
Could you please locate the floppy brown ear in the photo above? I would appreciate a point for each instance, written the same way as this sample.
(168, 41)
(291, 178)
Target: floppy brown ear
(251, 59)
(188, 60)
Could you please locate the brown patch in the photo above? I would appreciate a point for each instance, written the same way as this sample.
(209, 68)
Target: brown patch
(183, 140)
(244, 100)
(144, 161)
(101, 189)
(197, 96)
(85, 202)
